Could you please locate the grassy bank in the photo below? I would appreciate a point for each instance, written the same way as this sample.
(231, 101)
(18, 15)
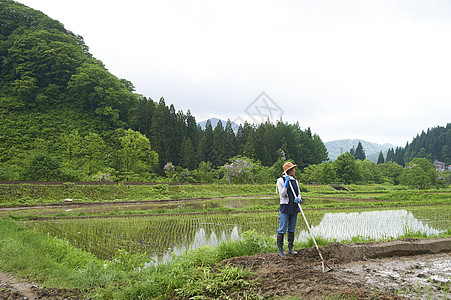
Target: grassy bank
(30, 194)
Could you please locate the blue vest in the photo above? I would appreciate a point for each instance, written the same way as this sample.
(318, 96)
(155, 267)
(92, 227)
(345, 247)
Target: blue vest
(291, 207)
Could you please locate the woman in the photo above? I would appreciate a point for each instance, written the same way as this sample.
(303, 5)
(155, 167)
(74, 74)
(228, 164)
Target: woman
(289, 209)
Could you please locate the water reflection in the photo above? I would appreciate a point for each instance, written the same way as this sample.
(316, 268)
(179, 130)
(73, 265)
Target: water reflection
(367, 224)
(333, 226)
(162, 236)
(201, 238)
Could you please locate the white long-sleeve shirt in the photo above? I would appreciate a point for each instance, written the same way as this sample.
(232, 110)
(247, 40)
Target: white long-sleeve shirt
(283, 191)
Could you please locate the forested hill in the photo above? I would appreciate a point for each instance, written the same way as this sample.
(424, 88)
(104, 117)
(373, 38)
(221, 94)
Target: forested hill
(62, 110)
(434, 144)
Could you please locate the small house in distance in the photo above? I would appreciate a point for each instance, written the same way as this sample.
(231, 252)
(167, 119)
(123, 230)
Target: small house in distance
(439, 166)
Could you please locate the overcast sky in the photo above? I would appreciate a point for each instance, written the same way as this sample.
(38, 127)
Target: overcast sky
(373, 70)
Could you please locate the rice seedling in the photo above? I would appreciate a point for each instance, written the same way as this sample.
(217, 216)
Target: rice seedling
(161, 236)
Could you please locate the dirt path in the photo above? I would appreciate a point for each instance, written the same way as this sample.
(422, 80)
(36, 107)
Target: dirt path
(13, 288)
(401, 269)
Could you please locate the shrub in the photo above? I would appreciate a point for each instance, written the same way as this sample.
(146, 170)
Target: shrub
(42, 166)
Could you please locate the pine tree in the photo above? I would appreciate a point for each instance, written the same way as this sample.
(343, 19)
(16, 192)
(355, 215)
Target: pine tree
(193, 130)
(251, 145)
(319, 150)
(399, 156)
(352, 151)
(229, 141)
(390, 155)
(380, 160)
(188, 155)
(177, 129)
(270, 143)
(359, 152)
(142, 114)
(205, 147)
(219, 150)
(241, 136)
(160, 134)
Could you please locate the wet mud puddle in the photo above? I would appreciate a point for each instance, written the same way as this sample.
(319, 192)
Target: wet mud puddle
(416, 277)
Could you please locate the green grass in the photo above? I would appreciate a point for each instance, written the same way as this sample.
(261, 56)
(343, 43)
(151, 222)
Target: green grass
(53, 262)
(29, 194)
(31, 254)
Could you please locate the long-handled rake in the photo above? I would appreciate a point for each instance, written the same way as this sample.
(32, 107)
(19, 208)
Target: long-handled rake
(323, 263)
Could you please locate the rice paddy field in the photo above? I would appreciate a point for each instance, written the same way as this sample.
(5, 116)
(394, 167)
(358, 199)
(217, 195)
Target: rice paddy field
(159, 236)
(160, 228)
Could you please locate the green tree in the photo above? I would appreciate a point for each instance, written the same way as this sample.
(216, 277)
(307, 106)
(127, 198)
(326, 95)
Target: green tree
(370, 172)
(380, 160)
(160, 134)
(93, 150)
(422, 153)
(205, 147)
(135, 154)
(141, 116)
(419, 174)
(269, 140)
(94, 88)
(390, 172)
(39, 63)
(352, 151)
(250, 148)
(42, 166)
(70, 146)
(188, 154)
(359, 152)
(205, 173)
(446, 153)
(399, 156)
(193, 130)
(229, 141)
(390, 155)
(242, 136)
(322, 173)
(430, 145)
(219, 147)
(319, 150)
(347, 169)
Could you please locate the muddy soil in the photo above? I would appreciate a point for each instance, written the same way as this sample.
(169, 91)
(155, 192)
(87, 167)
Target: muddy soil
(12, 288)
(402, 269)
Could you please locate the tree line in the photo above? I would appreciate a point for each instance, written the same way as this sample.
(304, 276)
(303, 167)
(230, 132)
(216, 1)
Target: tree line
(434, 144)
(178, 139)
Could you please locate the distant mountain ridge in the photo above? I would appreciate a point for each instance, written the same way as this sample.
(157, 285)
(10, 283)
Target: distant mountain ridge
(372, 150)
(214, 122)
